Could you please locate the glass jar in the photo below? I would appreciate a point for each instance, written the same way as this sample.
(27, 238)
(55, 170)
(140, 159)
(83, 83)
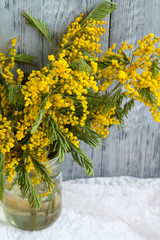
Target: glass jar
(18, 211)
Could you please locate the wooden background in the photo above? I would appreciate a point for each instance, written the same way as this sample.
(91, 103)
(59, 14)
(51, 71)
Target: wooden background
(133, 151)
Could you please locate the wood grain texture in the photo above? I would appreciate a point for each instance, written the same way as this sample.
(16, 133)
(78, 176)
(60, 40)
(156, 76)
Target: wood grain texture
(135, 149)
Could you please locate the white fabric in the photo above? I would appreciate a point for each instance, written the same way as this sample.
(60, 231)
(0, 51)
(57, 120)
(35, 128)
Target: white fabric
(123, 208)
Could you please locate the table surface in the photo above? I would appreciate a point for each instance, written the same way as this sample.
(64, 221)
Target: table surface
(120, 208)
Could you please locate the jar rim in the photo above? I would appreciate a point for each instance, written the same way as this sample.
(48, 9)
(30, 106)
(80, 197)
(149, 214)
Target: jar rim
(52, 163)
(53, 160)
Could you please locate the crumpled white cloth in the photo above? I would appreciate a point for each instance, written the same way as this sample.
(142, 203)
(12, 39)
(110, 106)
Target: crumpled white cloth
(117, 208)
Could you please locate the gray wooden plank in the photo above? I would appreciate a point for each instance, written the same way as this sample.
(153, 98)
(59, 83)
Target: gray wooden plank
(133, 151)
(8, 26)
(13, 25)
(30, 38)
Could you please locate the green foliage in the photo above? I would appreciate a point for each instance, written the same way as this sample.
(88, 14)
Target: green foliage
(101, 11)
(38, 121)
(148, 95)
(108, 60)
(79, 156)
(40, 117)
(22, 57)
(15, 96)
(40, 168)
(128, 107)
(155, 67)
(123, 111)
(107, 100)
(60, 145)
(126, 60)
(41, 26)
(51, 129)
(1, 177)
(89, 136)
(85, 53)
(26, 187)
(81, 65)
(1, 69)
(102, 65)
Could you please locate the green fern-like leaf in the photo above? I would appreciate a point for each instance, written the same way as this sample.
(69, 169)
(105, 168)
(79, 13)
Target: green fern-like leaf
(146, 93)
(120, 111)
(80, 157)
(128, 107)
(85, 53)
(90, 137)
(38, 121)
(155, 68)
(22, 57)
(60, 144)
(26, 187)
(81, 65)
(101, 11)
(40, 117)
(41, 26)
(16, 98)
(1, 177)
(126, 60)
(40, 168)
(102, 65)
(106, 100)
(94, 103)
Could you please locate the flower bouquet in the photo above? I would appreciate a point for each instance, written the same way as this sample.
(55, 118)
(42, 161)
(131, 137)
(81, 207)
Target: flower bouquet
(75, 98)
